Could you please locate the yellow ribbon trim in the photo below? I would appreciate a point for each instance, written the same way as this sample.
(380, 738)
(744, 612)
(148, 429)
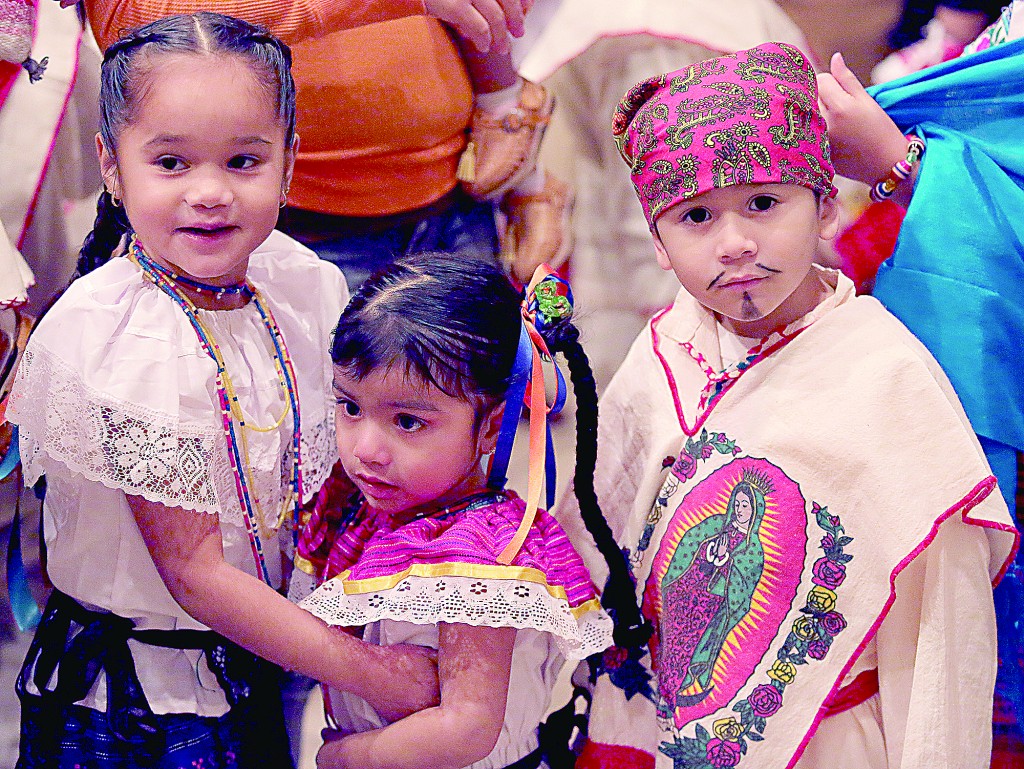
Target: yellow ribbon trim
(304, 565)
(471, 570)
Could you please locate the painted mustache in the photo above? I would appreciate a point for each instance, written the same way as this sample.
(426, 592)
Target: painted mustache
(764, 267)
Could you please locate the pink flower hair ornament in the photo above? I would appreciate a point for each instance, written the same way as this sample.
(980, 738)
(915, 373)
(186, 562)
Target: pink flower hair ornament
(747, 118)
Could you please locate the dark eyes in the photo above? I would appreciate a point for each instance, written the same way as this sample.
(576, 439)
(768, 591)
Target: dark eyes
(350, 408)
(242, 162)
(408, 423)
(697, 215)
(169, 163)
(237, 163)
(759, 203)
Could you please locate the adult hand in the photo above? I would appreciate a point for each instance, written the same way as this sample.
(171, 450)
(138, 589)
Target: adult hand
(485, 23)
(865, 141)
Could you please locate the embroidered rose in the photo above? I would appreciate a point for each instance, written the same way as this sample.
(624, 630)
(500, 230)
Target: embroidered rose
(821, 599)
(685, 466)
(828, 542)
(765, 700)
(782, 671)
(817, 650)
(706, 451)
(721, 753)
(614, 656)
(833, 623)
(728, 729)
(828, 573)
(805, 629)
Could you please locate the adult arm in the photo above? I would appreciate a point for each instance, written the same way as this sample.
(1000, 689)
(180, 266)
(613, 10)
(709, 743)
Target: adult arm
(187, 549)
(866, 143)
(474, 664)
(482, 22)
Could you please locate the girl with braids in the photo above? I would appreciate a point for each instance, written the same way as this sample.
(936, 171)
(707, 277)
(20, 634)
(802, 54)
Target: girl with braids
(419, 543)
(176, 398)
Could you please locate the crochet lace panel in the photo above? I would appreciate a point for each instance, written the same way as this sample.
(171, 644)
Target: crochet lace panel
(146, 452)
(319, 453)
(468, 601)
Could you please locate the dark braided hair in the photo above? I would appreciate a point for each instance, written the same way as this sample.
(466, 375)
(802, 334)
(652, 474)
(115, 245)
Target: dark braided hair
(126, 64)
(454, 321)
(619, 596)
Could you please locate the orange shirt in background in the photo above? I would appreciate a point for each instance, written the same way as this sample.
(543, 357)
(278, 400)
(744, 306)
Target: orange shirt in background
(382, 108)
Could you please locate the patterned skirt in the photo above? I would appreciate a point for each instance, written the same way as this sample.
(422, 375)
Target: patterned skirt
(58, 734)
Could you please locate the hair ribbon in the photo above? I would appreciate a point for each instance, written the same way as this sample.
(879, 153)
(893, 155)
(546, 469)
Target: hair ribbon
(548, 300)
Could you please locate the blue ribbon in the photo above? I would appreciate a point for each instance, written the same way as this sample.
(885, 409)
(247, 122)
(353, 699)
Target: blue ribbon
(23, 605)
(498, 476)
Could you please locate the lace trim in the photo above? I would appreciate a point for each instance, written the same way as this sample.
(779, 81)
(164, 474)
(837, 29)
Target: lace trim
(122, 446)
(150, 453)
(319, 453)
(467, 601)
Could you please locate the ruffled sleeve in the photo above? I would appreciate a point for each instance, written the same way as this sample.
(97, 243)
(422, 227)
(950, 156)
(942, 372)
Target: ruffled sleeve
(115, 386)
(445, 569)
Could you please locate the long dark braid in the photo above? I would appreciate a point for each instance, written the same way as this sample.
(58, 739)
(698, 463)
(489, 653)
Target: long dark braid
(619, 596)
(107, 230)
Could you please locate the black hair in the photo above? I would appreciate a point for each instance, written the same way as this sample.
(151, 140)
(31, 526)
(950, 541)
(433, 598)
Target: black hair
(454, 321)
(451, 320)
(126, 64)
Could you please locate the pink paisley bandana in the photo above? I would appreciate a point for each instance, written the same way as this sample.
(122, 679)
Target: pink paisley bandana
(748, 118)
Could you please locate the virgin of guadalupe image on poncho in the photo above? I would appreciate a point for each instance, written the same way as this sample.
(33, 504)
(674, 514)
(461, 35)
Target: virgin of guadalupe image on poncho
(722, 581)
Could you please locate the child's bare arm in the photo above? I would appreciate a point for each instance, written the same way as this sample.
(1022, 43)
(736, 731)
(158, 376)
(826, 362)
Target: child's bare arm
(474, 664)
(865, 140)
(187, 549)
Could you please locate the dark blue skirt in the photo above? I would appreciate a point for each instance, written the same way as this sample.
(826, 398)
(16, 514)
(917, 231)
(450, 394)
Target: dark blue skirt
(81, 645)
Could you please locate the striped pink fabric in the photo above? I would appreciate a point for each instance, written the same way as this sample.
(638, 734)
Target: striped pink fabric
(374, 546)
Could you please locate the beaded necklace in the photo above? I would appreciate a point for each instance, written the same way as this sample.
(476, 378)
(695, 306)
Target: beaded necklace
(231, 412)
(217, 291)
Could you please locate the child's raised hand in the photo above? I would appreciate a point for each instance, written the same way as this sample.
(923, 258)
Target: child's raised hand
(865, 140)
(485, 23)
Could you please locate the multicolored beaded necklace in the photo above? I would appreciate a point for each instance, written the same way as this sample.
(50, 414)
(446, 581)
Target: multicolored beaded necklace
(169, 282)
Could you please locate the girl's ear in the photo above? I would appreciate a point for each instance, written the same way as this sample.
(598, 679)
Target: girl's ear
(490, 427)
(289, 161)
(108, 167)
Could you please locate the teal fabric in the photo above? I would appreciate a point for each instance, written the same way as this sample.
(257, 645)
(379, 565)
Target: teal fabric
(956, 278)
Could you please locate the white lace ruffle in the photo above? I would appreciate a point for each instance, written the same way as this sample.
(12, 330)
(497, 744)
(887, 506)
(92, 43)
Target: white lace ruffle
(147, 453)
(467, 601)
(319, 453)
(120, 445)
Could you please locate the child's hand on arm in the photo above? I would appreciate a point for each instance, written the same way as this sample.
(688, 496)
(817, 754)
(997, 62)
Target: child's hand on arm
(187, 549)
(474, 664)
(865, 141)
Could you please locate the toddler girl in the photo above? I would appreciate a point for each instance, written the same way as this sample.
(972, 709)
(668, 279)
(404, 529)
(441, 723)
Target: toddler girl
(419, 544)
(176, 400)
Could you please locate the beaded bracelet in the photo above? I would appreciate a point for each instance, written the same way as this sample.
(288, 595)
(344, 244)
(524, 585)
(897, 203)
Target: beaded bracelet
(884, 189)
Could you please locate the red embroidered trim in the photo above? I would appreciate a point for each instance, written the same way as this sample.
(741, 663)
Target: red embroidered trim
(597, 755)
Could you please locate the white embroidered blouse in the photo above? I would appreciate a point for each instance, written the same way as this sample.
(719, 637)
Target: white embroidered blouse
(116, 396)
